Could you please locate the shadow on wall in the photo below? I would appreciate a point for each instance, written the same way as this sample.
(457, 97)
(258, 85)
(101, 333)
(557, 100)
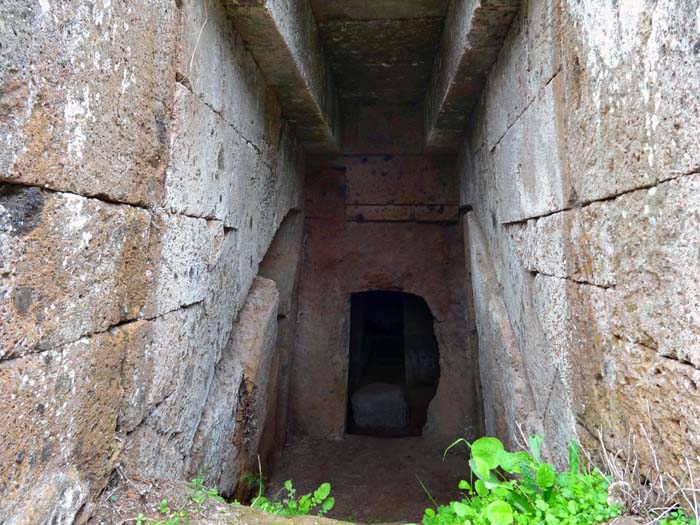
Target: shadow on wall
(394, 364)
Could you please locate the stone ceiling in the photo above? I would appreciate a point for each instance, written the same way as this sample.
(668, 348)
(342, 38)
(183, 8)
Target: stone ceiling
(381, 52)
(324, 58)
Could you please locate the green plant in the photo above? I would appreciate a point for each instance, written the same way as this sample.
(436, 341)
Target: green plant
(181, 516)
(319, 501)
(520, 488)
(252, 480)
(200, 493)
(677, 517)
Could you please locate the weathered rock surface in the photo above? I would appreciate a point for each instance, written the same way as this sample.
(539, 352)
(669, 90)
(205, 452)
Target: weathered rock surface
(229, 433)
(47, 241)
(148, 169)
(471, 38)
(581, 166)
(283, 37)
(58, 426)
(72, 76)
(344, 256)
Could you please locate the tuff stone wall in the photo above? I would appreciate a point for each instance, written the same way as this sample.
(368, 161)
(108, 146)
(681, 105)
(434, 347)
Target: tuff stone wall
(582, 167)
(146, 167)
(381, 222)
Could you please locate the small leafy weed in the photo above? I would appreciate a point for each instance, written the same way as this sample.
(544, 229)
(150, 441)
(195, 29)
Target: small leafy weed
(318, 501)
(519, 488)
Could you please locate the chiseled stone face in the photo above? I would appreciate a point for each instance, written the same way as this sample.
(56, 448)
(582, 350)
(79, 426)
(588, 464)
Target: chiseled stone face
(86, 91)
(582, 169)
(58, 428)
(71, 266)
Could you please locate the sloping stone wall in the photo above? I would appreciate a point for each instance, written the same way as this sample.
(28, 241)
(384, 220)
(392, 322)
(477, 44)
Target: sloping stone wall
(145, 167)
(582, 167)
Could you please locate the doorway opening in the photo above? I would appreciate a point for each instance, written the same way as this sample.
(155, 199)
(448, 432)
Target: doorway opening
(394, 364)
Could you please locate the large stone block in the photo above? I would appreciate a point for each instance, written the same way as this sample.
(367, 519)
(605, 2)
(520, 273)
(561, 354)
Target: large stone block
(58, 426)
(70, 266)
(506, 94)
(528, 163)
(77, 77)
(231, 426)
(215, 65)
(166, 380)
(506, 391)
(386, 179)
(631, 116)
(283, 38)
(644, 247)
(380, 407)
(186, 251)
(206, 153)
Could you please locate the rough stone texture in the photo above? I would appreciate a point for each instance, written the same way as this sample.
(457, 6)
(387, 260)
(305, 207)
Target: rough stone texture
(282, 264)
(387, 129)
(229, 432)
(506, 391)
(471, 38)
(381, 52)
(58, 426)
(215, 66)
(47, 242)
(428, 189)
(282, 35)
(581, 167)
(343, 257)
(144, 187)
(370, 10)
(71, 75)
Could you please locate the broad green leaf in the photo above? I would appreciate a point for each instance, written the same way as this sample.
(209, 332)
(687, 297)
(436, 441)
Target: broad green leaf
(288, 485)
(460, 509)
(429, 512)
(545, 476)
(487, 449)
(322, 491)
(328, 504)
(463, 485)
(507, 461)
(480, 468)
(480, 488)
(499, 513)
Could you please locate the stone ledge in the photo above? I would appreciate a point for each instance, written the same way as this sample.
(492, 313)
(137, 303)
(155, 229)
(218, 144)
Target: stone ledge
(283, 38)
(473, 34)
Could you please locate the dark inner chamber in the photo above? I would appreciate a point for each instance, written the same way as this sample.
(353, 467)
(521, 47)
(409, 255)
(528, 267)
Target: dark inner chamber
(394, 364)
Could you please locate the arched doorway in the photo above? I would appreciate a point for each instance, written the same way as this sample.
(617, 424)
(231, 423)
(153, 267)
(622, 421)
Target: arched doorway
(394, 364)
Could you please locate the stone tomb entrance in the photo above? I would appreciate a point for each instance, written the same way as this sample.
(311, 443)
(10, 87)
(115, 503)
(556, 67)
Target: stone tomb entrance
(394, 364)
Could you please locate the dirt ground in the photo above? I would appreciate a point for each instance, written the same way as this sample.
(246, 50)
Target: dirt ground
(374, 479)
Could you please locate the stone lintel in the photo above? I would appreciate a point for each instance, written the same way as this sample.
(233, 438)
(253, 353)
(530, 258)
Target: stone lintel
(283, 37)
(473, 34)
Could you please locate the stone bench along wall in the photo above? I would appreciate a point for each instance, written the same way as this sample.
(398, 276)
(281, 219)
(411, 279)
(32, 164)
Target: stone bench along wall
(146, 167)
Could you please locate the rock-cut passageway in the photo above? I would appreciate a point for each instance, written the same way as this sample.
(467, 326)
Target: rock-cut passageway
(325, 238)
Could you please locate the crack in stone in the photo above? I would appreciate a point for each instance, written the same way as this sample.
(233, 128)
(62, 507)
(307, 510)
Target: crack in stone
(184, 82)
(153, 209)
(571, 279)
(680, 361)
(586, 203)
(519, 115)
(89, 335)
